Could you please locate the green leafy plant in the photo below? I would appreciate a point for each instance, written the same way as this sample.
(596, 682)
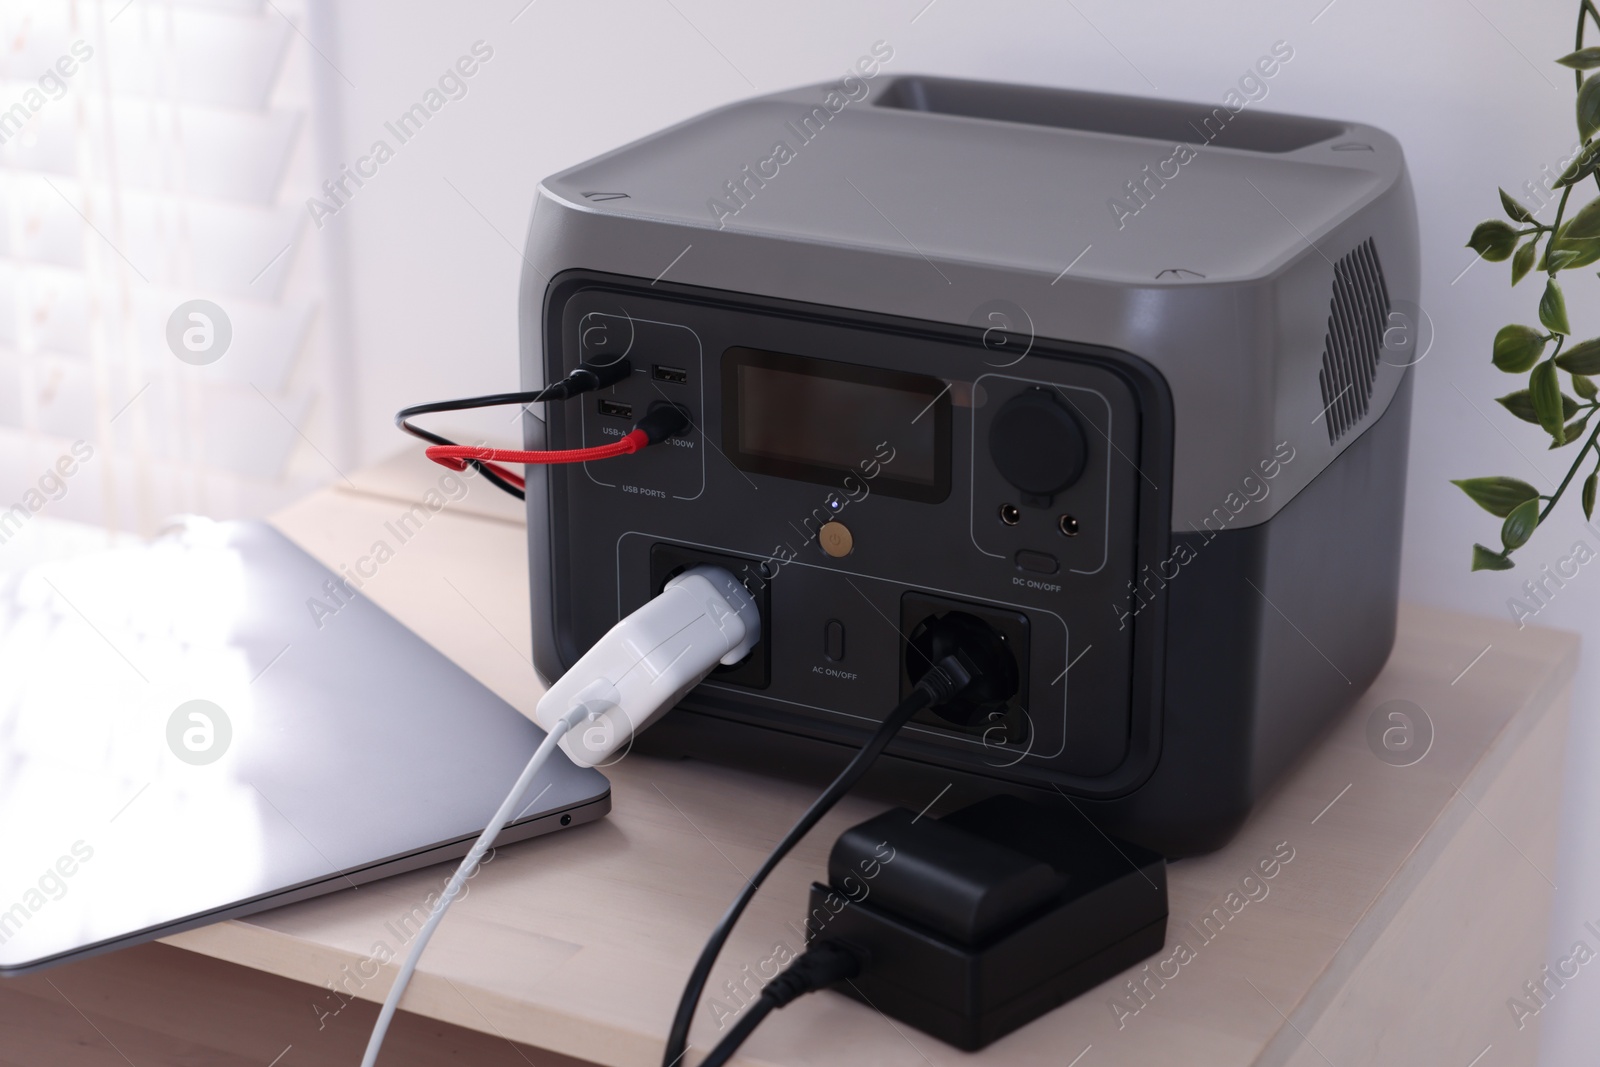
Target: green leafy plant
(1569, 244)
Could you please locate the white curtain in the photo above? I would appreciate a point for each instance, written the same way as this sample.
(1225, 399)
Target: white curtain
(153, 154)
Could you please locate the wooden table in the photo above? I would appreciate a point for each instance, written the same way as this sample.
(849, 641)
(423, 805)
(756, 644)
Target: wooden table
(1414, 905)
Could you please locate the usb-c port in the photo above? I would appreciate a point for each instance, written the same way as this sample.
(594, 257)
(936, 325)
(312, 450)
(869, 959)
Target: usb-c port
(675, 375)
(615, 409)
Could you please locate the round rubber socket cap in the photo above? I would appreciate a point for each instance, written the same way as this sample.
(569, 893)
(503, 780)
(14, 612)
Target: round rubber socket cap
(1037, 444)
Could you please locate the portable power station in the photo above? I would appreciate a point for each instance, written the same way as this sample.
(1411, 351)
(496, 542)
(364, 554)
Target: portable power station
(1124, 379)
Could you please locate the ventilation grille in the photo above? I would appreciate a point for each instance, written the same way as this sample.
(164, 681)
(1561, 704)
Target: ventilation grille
(1357, 316)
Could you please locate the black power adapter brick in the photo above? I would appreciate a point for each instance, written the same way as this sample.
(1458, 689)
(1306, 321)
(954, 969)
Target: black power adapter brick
(979, 922)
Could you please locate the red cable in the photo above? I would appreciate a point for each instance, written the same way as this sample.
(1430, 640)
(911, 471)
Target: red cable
(455, 456)
(505, 474)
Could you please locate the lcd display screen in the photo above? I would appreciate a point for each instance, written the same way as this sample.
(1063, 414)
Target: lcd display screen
(820, 420)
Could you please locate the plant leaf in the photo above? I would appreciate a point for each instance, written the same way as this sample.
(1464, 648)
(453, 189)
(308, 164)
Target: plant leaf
(1522, 262)
(1587, 250)
(1584, 386)
(1485, 560)
(1497, 496)
(1583, 164)
(1589, 484)
(1581, 358)
(1582, 59)
(1519, 525)
(1514, 208)
(1517, 348)
(1553, 309)
(1573, 431)
(1544, 389)
(1586, 223)
(1493, 239)
(1588, 107)
(1520, 404)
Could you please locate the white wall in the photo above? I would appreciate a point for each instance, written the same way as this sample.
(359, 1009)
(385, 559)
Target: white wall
(1465, 86)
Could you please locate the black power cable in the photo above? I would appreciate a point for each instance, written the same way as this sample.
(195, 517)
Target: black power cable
(943, 682)
(821, 965)
(585, 378)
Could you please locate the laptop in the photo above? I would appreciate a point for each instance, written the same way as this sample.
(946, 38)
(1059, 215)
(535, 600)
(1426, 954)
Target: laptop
(214, 724)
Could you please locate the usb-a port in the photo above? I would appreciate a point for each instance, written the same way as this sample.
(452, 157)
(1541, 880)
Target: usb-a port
(675, 375)
(616, 409)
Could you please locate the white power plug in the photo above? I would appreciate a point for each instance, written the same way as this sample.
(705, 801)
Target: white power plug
(647, 662)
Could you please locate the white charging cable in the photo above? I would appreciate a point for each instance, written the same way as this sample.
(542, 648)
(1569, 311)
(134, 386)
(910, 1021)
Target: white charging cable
(634, 674)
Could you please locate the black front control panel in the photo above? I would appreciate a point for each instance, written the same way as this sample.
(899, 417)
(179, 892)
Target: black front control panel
(1018, 497)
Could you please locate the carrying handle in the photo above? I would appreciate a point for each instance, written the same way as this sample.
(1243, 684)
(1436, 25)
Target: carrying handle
(1129, 116)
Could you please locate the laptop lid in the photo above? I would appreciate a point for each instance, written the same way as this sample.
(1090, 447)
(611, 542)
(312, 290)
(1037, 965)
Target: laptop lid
(214, 724)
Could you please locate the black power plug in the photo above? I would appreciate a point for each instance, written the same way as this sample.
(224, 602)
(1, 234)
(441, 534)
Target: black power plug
(999, 722)
(982, 921)
(980, 647)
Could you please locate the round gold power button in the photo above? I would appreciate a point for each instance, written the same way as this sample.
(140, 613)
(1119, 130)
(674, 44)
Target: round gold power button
(836, 539)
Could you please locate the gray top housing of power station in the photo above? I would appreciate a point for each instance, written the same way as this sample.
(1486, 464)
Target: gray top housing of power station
(1204, 241)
